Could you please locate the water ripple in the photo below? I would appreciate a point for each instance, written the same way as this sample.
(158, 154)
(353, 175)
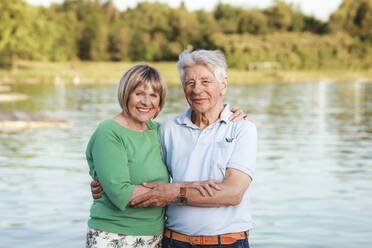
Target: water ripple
(313, 167)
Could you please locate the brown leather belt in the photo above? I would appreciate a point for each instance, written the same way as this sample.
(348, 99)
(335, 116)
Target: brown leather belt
(225, 239)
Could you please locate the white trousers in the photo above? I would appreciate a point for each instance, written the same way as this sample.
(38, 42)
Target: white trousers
(101, 239)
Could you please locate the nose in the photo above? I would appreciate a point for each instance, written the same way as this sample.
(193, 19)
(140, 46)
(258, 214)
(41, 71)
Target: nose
(198, 87)
(145, 100)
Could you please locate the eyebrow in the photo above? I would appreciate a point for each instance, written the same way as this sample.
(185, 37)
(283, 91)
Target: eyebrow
(202, 78)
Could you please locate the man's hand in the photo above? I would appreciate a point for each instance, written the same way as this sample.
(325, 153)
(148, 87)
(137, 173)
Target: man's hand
(237, 115)
(161, 195)
(232, 191)
(96, 189)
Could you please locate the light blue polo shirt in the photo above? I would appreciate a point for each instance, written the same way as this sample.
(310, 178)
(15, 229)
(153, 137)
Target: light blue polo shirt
(192, 154)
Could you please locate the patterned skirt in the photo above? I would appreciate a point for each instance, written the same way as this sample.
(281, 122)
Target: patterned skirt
(101, 239)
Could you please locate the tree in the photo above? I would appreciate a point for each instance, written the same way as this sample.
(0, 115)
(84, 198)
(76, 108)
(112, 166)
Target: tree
(185, 27)
(254, 22)
(120, 38)
(16, 37)
(207, 27)
(228, 17)
(93, 41)
(280, 16)
(355, 17)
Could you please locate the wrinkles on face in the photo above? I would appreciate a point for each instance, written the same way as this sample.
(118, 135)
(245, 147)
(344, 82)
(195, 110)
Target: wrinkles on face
(202, 90)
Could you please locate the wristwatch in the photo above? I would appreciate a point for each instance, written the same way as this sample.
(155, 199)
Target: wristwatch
(181, 198)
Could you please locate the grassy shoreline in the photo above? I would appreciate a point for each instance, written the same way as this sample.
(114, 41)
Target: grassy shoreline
(110, 72)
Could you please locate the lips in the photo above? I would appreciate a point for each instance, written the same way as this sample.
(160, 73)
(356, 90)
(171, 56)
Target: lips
(144, 110)
(198, 99)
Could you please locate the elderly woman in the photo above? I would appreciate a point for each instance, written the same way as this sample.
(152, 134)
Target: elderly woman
(123, 153)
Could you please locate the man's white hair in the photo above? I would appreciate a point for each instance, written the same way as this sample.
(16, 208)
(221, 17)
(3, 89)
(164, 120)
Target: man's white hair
(214, 60)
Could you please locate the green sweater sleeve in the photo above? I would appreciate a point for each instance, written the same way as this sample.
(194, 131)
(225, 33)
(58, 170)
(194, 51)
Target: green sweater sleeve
(111, 167)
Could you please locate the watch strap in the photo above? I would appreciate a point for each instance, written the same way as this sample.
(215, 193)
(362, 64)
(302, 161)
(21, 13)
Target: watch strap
(181, 198)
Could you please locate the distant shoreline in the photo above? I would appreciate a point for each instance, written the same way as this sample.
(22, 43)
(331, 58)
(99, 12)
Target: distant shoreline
(88, 73)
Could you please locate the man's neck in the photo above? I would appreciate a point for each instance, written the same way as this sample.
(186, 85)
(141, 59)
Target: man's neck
(203, 120)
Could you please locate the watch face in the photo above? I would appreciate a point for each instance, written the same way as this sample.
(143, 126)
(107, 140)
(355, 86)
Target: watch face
(181, 199)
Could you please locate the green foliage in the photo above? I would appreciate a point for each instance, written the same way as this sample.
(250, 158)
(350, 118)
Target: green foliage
(17, 38)
(279, 16)
(294, 50)
(228, 17)
(120, 38)
(254, 22)
(95, 30)
(355, 17)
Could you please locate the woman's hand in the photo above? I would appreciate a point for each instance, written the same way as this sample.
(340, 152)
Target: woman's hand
(204, 187)
(163, 194)
(96, 190)
(160, 195)
(237, 115)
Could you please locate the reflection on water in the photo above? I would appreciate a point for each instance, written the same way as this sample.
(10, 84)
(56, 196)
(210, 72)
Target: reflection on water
(313, 170)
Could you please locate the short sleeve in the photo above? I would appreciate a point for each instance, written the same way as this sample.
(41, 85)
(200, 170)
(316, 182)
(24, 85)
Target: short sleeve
(244, 154)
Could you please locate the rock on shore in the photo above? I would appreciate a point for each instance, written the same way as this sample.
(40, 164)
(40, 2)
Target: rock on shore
(4, 88)
(12, 97)
(23, 120)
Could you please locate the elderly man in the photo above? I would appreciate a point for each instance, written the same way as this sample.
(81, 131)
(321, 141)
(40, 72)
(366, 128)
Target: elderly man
(202, 144)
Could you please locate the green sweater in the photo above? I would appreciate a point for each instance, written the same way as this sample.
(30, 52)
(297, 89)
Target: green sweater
(120, 158)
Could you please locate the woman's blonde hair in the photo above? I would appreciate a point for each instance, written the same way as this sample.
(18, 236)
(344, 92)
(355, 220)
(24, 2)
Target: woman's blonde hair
(137, 75)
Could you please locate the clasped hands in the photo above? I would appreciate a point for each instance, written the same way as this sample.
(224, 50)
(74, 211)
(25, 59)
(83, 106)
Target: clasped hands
(163, 194)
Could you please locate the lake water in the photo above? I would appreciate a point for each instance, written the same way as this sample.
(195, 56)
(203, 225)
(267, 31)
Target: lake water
(314, 168)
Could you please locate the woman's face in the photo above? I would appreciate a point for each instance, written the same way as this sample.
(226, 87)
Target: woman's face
(143, 104)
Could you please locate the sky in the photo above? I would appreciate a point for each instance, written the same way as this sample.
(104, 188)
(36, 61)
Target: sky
(321, 9)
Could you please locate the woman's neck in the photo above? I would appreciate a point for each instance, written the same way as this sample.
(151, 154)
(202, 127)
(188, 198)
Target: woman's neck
(126, 121)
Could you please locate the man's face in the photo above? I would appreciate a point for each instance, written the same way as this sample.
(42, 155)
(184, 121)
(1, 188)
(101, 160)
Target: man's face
(203, 92)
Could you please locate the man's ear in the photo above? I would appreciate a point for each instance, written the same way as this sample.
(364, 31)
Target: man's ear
(223, 86)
